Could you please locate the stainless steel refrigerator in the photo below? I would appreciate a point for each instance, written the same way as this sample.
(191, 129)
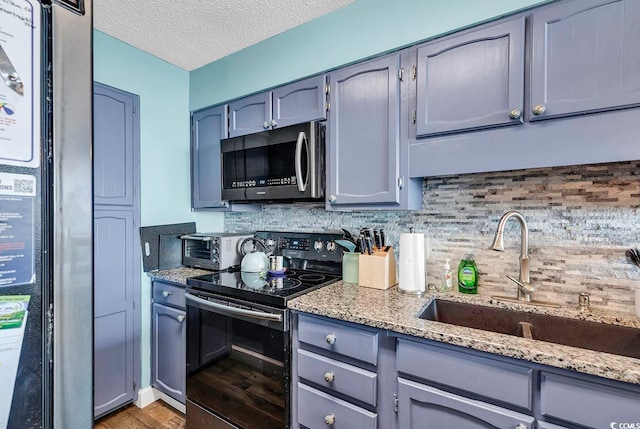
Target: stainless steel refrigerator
(46, 244)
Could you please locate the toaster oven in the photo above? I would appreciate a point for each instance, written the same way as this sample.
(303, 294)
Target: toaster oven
(212, 251)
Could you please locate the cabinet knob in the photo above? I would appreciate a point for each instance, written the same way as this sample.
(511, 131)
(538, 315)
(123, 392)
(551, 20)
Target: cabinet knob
(329, 377)
(515, 114)
(180, 318)
(329, 419)
(538, 109)
(332, 198)
(274, 123)
(166, 293)
(330, 338)
(521, 426)
(265, 125)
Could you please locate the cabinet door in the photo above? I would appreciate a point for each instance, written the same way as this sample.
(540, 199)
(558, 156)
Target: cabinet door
(299, 102)
(425, 407)
(169, 351)
(585, 57)
(114, 131)
(250, 114)
(471, 81)
(363, 134)
(114, 312)
(208, 128)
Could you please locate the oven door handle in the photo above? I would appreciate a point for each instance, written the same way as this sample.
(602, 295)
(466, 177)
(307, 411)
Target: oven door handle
(225, 309)
(302, 138)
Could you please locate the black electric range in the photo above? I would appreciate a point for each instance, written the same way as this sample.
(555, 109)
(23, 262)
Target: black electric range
(260, 288)
(238, 334)
(312, 260)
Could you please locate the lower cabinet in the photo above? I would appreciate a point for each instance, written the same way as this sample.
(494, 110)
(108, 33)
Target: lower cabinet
(346, 375)
(425, 407)
(168, 354)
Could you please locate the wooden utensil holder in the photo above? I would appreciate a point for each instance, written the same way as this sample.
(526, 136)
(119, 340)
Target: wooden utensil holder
(377, 270)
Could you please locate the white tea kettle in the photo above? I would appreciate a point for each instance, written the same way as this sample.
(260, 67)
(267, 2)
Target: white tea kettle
(255, 261)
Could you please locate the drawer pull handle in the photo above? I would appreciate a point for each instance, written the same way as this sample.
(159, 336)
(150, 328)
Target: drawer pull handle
(166, 293)
(330, 339)
(521, 426)
(515, 114)
(329, 419)
(329, 377)
(180, 318)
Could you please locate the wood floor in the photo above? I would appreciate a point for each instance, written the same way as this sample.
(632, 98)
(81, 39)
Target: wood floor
(157, 415)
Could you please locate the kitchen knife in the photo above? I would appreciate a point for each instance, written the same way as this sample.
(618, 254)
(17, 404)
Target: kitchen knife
(369, 243)
(383, 238)
(361, 244)
(9, 73)
(376, 239)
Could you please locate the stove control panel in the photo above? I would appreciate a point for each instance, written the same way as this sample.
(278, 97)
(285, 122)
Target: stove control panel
(303, 245)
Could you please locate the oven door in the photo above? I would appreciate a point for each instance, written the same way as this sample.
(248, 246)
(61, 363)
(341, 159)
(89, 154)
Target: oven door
(237, 364)
(281, 164)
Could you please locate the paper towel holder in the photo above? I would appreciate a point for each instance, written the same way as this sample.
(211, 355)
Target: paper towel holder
(412, 267)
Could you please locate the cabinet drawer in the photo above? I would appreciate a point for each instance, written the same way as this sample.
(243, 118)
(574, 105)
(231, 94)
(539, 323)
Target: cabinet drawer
(315, 406)
(167, 294)
(340, 377)
(338, 338)
(590, 404)
(504, 382)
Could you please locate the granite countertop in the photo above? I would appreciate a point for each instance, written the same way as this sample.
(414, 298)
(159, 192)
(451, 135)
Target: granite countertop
(177, 275)
(391, 310)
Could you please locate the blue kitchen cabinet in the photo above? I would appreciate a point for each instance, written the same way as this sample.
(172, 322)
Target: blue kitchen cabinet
(471, 81)
(291, 104)
(585, 57)
(582, 77)
(115, 157)
(168, 368)
(250, 114)
(300, 102)
(365, 151)
(208, 128)
(585, 403)
(425, 407)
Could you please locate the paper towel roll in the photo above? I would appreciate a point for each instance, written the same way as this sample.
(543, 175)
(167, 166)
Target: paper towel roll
(412, 274)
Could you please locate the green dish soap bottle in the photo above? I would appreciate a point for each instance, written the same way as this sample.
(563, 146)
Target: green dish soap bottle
(468, 276)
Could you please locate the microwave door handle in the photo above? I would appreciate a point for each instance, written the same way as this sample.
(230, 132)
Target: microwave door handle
(302, 139)
(231, 311)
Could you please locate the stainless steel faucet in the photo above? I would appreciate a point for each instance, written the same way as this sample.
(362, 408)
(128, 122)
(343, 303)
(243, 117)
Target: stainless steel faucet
(524, 284)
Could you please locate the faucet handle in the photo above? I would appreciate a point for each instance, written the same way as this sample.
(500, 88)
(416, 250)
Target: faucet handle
(584, 302)
(524, 286)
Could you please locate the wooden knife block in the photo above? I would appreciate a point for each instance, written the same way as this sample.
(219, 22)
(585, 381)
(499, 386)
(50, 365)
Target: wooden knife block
(377, 270)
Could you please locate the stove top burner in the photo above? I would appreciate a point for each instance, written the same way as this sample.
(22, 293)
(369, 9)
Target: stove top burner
(260, 287)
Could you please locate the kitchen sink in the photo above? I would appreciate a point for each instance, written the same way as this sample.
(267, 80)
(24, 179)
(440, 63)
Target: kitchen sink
(618, 340)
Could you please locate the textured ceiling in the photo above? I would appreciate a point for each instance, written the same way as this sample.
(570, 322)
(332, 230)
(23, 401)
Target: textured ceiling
(192, 33)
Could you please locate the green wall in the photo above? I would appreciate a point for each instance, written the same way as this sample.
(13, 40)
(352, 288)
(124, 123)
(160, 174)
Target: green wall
(164, 147)
(360, 30)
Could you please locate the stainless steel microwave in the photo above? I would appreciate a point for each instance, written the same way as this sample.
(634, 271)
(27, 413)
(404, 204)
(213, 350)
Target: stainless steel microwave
(285, 164)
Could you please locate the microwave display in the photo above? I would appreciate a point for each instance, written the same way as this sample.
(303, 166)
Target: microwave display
(261, 166)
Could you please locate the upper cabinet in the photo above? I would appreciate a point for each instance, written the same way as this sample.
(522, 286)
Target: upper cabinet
(471, 81)
(363, 138)
(208, 128)
(114, 159)
(585, 57)
(290, 104)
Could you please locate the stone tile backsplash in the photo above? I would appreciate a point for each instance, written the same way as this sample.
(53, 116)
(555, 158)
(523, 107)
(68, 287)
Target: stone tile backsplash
(581, 220)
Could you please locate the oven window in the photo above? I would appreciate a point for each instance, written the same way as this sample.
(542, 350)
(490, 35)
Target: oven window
(238, 370)
(271, 165)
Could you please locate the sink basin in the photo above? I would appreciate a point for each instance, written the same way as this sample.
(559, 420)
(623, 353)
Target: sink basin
(619, 340)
